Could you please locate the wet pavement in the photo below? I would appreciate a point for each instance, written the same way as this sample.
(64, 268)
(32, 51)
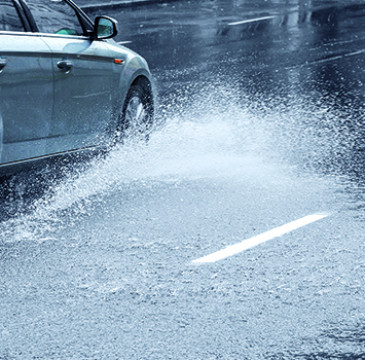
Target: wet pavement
(259, 122)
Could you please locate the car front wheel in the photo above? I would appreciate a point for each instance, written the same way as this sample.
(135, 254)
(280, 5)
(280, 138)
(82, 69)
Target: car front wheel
(137, 115)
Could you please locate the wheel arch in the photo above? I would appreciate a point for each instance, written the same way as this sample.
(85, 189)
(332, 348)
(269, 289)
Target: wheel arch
(145, 83)
(141, 77)
(142, 80)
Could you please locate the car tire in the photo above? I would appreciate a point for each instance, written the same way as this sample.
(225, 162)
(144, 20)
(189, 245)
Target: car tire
(137, 114)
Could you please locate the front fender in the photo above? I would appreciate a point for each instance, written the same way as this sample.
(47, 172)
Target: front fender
(133, 68)
(129, 67)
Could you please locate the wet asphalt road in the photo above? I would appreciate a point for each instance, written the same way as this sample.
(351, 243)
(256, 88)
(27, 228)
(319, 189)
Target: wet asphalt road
(258, 124)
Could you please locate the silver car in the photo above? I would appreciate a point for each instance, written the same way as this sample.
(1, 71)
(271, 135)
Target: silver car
(64, 84)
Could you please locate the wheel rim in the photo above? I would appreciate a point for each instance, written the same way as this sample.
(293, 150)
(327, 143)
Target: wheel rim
(136, 116)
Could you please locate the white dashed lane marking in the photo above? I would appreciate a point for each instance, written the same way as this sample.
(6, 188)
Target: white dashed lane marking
(259, 239)
(247, 21)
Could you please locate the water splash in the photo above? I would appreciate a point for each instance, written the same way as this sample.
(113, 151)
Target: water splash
(217, 136)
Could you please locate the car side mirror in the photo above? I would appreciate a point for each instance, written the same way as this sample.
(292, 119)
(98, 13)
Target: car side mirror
(105, 27)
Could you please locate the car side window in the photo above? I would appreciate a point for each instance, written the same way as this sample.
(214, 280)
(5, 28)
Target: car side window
(9, 17)
(55, 17)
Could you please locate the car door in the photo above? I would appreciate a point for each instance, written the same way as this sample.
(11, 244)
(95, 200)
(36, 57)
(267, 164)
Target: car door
(83, 76)
(26, 88)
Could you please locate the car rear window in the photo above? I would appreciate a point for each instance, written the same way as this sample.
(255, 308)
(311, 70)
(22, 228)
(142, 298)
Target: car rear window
(9, 17)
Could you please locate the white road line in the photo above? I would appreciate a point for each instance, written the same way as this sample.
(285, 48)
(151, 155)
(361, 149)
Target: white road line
(333, 58)
(258, 239)
(359, 52)
(124, 42)
(251, 20)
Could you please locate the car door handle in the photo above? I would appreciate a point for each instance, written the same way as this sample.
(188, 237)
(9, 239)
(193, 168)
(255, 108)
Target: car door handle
(65, 66)
(3, 63)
